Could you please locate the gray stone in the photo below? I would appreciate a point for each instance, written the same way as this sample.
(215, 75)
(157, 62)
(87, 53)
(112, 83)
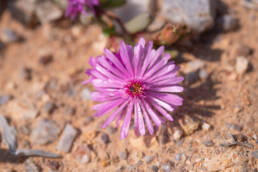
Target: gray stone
(50, 107)
(155, 168)
(197, 15)
(30, 166)
(178, 156)
(208, 143)
(25, 129)
(9, 36)
(229, 22)
(47, 11)
(46, 131)
(25, 12)
(166, 167)
(203, 74)
(255, 154)
(5, 99)
(86, 94)
(67, 138)
(124, 155)
(26, 73)
(69, 110)
(8, 134)
(138, 23)
(148, 158)
(241, 65)
(105, 138)
(132, 9)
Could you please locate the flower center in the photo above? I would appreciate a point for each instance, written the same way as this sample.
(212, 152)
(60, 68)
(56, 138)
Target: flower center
(134, 88)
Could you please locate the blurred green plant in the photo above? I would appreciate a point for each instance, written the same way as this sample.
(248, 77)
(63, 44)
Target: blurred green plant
(111, 3)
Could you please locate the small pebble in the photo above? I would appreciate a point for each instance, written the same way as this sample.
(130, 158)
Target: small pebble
(155, 168)
(178, 135)
(166, 167)
(163, 136)
(124, 155)
(26, 73)
(178, 157)
(54, 165)
(50, 107)
(10, 36)
(255, 154)
(5, 98)
(148, 159)
(203, 74)
(45, 59)
(105, 138)
(46, 131)
(87, 120)
(30, 166)
(241, 65)
(237, 127)
(229, 23)
(67, 138)
(25, 129)
(112, 130)
(139, 163)
(69, 110)
(208, 143)
(85, 94)
(206, 126)
(82, 154)
(191, 77)
(189, 125)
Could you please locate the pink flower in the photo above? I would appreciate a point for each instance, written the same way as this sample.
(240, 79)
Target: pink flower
(135, 83)
(79, 6)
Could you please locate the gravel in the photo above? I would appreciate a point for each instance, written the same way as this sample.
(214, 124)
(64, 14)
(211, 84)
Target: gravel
(208, 143)
(66, 141)
(30, 166)
(148, 158)
(105, 138)
(178, 134)
(46, 131)
(50, 107)
(255, 154)
(5, 99)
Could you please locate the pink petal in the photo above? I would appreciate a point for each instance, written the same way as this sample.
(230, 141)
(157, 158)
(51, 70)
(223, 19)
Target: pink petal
(127, 121)
(113, 115)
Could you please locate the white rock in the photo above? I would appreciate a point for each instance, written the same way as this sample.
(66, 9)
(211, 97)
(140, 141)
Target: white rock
(206, 126)
(178, 135)
(241, 65)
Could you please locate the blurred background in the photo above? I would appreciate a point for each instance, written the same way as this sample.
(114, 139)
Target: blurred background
(43, 57)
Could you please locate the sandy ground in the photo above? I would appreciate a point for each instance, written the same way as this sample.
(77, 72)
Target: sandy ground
(225, 100)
